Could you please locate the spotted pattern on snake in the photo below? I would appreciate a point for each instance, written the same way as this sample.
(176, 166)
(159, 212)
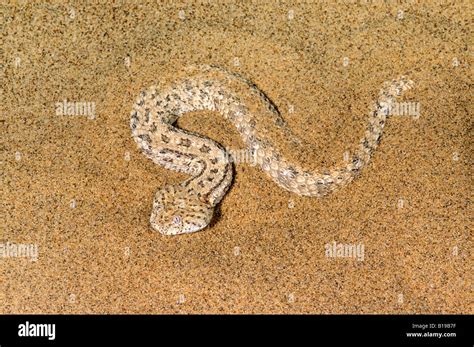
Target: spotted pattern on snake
(188, 206)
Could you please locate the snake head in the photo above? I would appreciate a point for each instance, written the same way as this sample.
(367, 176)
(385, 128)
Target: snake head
(177, 210)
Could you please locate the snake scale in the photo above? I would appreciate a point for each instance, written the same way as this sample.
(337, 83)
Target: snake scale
(188, 206)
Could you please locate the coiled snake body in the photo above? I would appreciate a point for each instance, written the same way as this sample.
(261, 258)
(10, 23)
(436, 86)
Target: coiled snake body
(188, 207)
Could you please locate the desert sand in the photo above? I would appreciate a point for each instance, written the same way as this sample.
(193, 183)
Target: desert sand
(77, 192)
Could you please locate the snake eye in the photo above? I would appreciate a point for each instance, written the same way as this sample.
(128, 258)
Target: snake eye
(177, 220)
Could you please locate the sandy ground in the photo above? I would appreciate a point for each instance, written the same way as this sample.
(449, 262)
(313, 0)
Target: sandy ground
(76, 192)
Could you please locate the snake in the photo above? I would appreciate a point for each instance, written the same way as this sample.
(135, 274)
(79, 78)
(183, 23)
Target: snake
(188, 206)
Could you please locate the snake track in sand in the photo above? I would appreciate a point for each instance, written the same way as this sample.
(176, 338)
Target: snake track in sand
(188, 207)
